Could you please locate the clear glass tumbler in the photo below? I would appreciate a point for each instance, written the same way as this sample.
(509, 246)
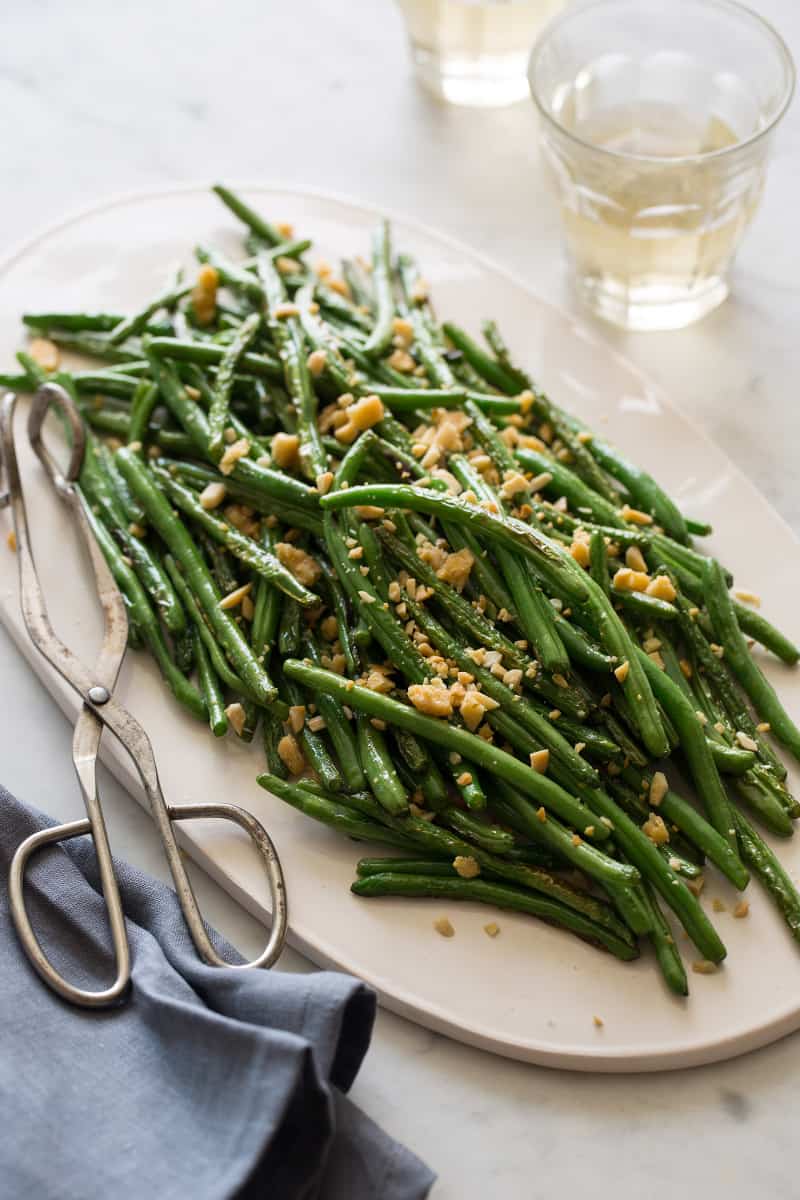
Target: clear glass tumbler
(475, 52)
(656, 120)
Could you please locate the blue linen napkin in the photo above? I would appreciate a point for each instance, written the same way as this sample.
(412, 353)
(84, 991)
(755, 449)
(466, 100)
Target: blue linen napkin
(208, 1084)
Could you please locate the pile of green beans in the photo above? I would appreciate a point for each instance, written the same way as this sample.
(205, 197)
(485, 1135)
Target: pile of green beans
(463, 627)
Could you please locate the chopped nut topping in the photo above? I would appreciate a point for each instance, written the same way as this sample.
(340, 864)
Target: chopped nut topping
(655, 829)
(212, 495)
(598, 1022)
(456, 568)
(45, 353)
(559, 680)
(621, 672)
(745, 742)
(580, 552)
(317, 724)
(741, 910)
(626, 580)
(237, 717)
(650, 644)
(286, 309)
(360, 415)
(686, 668)
(747, 597)
(718, 905)
(11, 541)
(635, 559)
(659, 787)
(466, 866)
(297, 717)
(356, 552)
(290, 754)
(234, 598)
(404, 331)
(540, 760)
(233, 453)
(473, 707)
(763, 727)
(635, 516)
(316, 362)
(541, 814)
(492, 929)
(324, 482)
(366, 597)
(204, 295)
(701, 716)
(443, 926)
(305, 569)
(704, 967)
(661, 587)
(285, 449)
(432, 700)
(464, 779)
(401, 360)
(696, 885)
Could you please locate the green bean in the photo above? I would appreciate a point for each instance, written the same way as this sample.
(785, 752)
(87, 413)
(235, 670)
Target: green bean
(497, 894)
(760, 691)
(405, 866)
(488, 837)
(289, 629)
(586, 857)
(238, 544)
(250, 492)
(271, 733)
(335, 814)
(338, 727)
(81, 322)
(731, 760)
(203, 627)
(759, 628)
(106, 501)
(261, 228)
(210, 354)
(473, 748)
(218, 413)
(563, 482)
(376, 762)
(209, 686)
(380, 339)
(677, 811)
(287, 334)
(487, 367)
(644, 855)
(754, 788)
(143, 402)
(694, 745)
(642, 488)
(765, 865)
(506, 531)
(181, 547)
(667, 953)
(642, 607)
(412, 752)
(145, 619)
(523, 711)
(134, 324)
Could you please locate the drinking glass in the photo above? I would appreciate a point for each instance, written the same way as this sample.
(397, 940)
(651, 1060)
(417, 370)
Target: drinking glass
(474, 52)
(657, 118)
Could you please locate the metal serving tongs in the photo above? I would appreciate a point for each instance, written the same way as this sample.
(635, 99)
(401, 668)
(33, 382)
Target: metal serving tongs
(95, 687)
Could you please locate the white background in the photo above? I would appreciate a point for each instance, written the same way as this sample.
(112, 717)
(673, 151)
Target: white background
(98, 98)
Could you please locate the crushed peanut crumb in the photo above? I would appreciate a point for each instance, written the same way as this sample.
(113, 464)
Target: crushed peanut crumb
(297, 717)
(621, 672)
(11, 541)
(45, 353)
(444, 926)
(742, 909)
(235, 598)
(466, 866)
(661, 587)
(290, 754)
(492, 929)
(635, 516)
(237, 450)
(236, 715)
(658, 788)
(704, 967)
(305, 569)
(540, 760)
(285, 448)
(212, 495)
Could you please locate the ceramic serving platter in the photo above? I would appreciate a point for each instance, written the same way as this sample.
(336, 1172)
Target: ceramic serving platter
(531, 993)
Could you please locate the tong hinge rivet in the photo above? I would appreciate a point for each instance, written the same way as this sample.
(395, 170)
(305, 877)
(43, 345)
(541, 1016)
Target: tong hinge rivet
(98, 694)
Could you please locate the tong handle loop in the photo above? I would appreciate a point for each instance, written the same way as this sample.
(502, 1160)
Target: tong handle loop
(264, 845)
(83, 997)
(53, 395)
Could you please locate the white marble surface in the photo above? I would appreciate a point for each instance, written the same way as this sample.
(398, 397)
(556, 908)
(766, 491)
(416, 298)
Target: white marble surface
(98, 99)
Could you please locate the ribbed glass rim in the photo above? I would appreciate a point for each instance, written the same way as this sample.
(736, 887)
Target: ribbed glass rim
(733, 7)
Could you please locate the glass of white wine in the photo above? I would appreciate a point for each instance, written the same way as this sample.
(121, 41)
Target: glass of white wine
(474, 52)
(656, 121)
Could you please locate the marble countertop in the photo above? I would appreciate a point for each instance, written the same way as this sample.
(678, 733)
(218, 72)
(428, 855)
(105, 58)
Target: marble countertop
(103, 99)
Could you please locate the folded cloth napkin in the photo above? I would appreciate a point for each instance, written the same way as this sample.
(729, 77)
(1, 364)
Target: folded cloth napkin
(208, 1084)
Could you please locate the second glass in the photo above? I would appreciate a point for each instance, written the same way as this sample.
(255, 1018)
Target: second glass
(656, 123)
